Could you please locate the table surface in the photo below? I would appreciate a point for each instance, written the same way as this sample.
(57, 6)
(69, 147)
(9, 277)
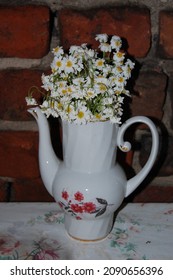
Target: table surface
(36, 231)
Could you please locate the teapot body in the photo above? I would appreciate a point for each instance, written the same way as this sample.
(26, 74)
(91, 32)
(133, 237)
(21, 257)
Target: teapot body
(89, 185)
(89, 200)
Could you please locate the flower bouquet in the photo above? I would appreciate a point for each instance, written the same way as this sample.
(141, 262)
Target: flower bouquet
(87, 85)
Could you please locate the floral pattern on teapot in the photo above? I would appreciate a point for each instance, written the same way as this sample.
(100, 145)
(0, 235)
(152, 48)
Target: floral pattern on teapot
(76, 205)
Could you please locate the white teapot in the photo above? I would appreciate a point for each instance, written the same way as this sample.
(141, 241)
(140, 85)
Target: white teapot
(89, 185)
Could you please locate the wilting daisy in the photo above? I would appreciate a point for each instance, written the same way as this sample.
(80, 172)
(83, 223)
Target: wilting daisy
(101, 85)
(107, 70)
(90, 53)
(102, 38)
(108, 112)
(46, 82)
(48, 109)
(127, 69)
(108, 101)
(30, 100)
(59, 106)
(130, 63)
(68, 113)
(78, 82)
(113, 80)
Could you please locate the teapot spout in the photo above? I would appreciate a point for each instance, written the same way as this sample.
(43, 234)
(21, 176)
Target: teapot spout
(48, 161)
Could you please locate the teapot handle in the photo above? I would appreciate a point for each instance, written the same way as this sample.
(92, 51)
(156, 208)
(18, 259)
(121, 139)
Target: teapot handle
(135, 181)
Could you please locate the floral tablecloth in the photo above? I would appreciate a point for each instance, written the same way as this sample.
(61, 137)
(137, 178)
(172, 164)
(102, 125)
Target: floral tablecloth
(36, 231)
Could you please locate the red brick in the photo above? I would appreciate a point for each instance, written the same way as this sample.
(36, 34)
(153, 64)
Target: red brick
(165, 48)
(24, 31)
(150, 91)
(133, 24)
(19, 154)
(151, 193)
(33, 190)
(14, 87)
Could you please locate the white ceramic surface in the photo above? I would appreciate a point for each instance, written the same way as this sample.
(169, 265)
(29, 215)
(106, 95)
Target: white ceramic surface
(88, 184)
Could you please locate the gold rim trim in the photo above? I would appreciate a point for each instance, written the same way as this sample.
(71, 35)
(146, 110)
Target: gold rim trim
(87, 240)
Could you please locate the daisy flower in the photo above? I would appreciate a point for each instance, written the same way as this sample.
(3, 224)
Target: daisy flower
(102, 38)
(57, 64)
(82, 115)
(90, 93)
(116, 43)
(105, 47)
(99, 63)
(58, 51)
(118, 57)
(69, 64)
(46, 82)
(63, 91)
(30, 100)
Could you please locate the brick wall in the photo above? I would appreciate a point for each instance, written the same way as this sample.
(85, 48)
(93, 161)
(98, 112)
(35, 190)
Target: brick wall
(27, 35)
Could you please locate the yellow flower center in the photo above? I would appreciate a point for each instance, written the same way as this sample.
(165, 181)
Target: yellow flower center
(98, 116)
(100, 63)
(119, 69)
(59, 63)
(89, 93)
(128, 70)
(80, 114)
(102, 87)
(69, 90)
(117, 43)
(119, 54)
(69, 63)
(106, 45)
(56, 49)
(61, 85)
(120, 79)
(59, 106)
(64, 91)
(52, 104)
